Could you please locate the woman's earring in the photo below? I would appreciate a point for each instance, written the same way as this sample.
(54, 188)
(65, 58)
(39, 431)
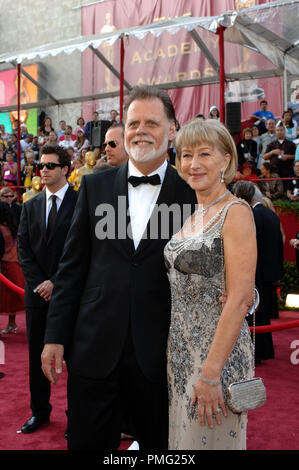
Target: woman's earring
(222, 176)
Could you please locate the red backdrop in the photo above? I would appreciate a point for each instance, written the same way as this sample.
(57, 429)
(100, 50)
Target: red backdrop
(172, 57)
(290, 224)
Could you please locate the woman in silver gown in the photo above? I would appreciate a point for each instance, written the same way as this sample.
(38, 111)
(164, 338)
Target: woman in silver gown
(209, 343)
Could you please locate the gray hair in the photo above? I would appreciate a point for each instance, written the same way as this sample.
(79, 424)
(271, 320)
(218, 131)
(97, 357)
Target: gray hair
(257, 197)
(248, 191)
(146, 92)
(244, 190)
(30, 152)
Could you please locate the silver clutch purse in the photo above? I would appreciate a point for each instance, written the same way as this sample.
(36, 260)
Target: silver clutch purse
(246, 395)
(251, 393)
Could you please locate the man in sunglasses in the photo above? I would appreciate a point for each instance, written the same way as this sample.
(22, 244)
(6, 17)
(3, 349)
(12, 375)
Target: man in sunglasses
(7, 195)
(44, 224)
(114, 145)
(112, 300)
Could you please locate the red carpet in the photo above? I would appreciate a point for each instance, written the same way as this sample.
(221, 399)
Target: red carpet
(275, 426)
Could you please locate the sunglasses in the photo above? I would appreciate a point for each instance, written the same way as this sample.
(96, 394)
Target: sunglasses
(111, 144)
(49, 166)
(8, 195)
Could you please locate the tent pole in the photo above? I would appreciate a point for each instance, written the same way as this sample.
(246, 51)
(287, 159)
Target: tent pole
(220, 32)
(121, 79)
(285, 86)
(19, 132)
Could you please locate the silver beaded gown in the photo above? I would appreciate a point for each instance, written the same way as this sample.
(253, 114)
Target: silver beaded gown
(196, 271)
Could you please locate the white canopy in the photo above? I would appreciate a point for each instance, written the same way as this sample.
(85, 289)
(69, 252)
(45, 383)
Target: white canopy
(270, 29)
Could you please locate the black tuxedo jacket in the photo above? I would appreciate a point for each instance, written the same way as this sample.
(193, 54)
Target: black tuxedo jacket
(102, 284)
(16, 210)
(39, 257)
(269, 245)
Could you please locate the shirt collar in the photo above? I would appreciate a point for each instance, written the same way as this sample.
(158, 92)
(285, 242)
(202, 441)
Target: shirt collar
(60, 193)
(133, 171)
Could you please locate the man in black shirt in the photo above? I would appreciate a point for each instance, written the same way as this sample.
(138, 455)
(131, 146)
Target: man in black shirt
(281, 153)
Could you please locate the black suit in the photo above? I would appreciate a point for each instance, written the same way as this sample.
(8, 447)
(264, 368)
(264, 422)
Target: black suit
(16, 210)
(110, 301)
(269, 270)
(39, 259)
(246, 147)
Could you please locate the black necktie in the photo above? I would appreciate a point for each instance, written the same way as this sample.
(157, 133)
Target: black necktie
(137, 180)
(52, 216)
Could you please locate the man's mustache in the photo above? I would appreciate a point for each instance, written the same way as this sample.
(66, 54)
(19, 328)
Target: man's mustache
(143, 139)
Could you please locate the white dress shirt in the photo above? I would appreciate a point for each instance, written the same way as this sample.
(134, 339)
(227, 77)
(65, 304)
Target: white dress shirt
(60, 195)
(142, 199)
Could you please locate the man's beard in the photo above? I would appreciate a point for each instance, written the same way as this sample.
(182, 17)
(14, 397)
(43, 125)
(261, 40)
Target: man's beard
(143, 154)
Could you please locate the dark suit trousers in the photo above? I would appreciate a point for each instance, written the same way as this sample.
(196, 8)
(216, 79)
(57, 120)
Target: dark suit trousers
(99, 409)
(264, 348)
(40, 388)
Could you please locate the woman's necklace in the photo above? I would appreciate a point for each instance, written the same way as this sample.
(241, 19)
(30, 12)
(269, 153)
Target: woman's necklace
(204, 209)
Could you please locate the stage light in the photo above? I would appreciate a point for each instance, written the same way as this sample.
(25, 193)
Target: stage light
(292, 300)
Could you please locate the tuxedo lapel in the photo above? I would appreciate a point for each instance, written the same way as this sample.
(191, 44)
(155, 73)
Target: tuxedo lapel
(121, 207)
(40, 202)
(166, 196)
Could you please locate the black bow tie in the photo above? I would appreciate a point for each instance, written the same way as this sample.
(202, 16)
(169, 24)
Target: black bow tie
(137, 180)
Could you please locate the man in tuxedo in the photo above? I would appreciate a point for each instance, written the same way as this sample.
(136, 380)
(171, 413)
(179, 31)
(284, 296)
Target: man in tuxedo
(111, 301)
(114, 147)
(269, 263)
(7, 195)
(44, 224)
(269, 270)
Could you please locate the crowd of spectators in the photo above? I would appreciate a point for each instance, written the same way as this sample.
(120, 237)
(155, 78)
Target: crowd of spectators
(77, 143)
(268, 150)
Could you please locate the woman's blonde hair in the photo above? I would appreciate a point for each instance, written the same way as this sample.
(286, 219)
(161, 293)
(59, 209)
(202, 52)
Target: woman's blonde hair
(210, 132)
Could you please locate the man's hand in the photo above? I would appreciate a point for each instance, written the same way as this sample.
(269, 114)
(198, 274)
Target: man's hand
(45, 290)
(223, 298)
(294, 243)
(52, 357)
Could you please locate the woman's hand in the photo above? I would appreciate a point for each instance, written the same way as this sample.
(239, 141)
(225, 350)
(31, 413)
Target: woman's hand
(210, 402)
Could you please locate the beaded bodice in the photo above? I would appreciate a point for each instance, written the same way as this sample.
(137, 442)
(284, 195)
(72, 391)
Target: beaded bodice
(196, 271)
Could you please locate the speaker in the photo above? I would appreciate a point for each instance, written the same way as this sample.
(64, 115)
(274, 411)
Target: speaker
(41, 118)
(98, 133)
(233, 117)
